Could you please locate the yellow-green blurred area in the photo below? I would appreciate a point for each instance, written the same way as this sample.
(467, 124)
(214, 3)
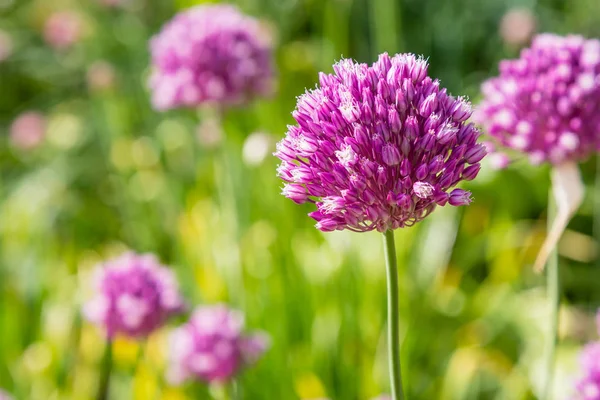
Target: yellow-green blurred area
(110, 174)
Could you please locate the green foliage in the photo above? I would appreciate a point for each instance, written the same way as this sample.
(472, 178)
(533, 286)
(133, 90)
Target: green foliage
(112, 174)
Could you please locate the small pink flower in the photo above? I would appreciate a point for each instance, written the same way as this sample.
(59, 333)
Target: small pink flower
(28, 130)
(63, 29)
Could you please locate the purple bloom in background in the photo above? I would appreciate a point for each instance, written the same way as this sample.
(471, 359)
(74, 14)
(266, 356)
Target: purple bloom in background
(212, 346)
(210, 54)
(378, 147)
(28, 130)
(588, 387)
(546, 102)
(136, 294)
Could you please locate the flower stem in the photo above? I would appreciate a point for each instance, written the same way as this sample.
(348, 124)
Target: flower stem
(393, 315)
(553, 295)
(104, 385)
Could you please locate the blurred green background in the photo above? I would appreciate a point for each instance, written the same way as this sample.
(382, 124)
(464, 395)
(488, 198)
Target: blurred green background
(110, 174)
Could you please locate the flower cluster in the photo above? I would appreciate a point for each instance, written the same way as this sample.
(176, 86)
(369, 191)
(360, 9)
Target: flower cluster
(136, 294)
(378, 147)
(210, 54)
(212, 346)
(4, 395)
(546, 102)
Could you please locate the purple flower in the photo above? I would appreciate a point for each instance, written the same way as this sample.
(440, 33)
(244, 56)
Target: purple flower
(210, 54)
(212, 346)
(136, 294)
(546, 102)
(588, 387)
(378, 147)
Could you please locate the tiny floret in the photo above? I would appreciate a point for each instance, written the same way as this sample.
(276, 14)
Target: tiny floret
(378, 147)
(546, 102)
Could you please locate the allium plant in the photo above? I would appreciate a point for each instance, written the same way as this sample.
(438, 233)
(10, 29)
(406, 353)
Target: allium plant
(135, 295)
(379, 148)
(545, 104)
(210, 54)
(212, 346)
(4, 395)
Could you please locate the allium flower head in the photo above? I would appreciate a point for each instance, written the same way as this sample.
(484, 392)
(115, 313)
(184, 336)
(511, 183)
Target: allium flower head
(63, 29)
(546, 102)
(210, 54)
(378, 147)
(588, 387)
(212, 346)
(135, 295)
(28, 130)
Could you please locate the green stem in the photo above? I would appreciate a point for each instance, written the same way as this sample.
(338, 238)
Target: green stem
(104, 385)
(553, 294)
(393, 315)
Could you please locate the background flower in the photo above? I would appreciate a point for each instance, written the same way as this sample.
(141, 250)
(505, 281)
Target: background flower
(212, 346)
(210, 53)
(545, 103)
(135, 295)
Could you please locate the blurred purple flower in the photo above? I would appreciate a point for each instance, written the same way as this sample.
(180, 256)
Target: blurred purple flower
(63, 29)
(378, 147)
(210, 54)
(136, 294)
(6, 46)
(28, 130)
(588, 387)
(212, 346)
(546, 102)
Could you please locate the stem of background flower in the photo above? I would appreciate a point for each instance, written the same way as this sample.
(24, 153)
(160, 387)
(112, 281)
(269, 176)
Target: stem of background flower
(104, 384)
(393, 315)
(553, 295)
